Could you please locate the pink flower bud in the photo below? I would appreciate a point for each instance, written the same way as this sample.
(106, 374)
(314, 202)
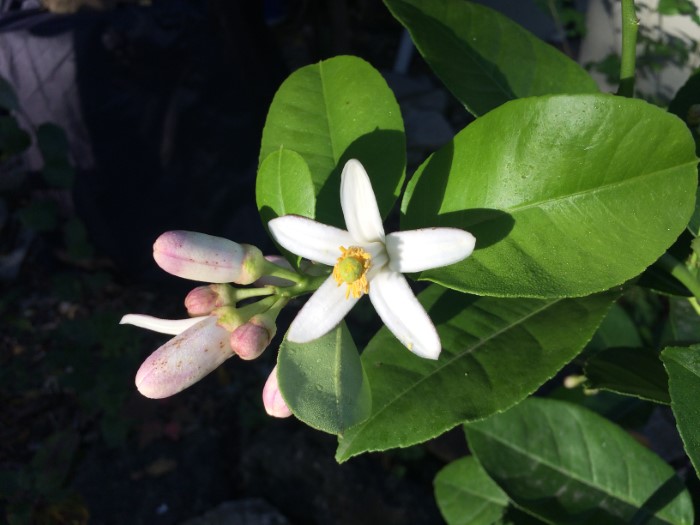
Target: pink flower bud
(272, 398)
(201, 301)
(204, 299)
(184, 360)
(250, 340)
(201, 257)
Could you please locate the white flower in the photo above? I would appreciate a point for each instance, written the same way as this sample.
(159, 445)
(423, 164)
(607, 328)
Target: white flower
(368, 262)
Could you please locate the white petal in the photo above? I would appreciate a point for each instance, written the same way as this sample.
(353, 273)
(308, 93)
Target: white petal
(164, 326)
(418, 250)
(403, 314)
(308, 238)
(359, 204)
(321, 313)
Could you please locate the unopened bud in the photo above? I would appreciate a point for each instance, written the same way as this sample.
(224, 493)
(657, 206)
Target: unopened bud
(272, 397)
(184, 360)
(201, 257)
(204, 299)
(250, 340)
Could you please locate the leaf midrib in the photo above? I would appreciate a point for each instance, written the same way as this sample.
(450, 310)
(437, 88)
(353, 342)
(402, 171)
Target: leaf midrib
(566, 473)
(449, 362)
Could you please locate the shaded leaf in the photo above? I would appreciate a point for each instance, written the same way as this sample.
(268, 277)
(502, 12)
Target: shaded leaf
(483, 57)
(566, 464)
(323, 382)
(554, 189)
(683, 367)
(333, 111)
(629, 371)
(8, 98)
(495, 352)
(467, 496)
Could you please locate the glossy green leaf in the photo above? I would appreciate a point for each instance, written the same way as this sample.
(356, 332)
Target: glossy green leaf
(284, 186)
(629, 371)
(333, 111)
(683, 367)
(467, 496)
(495, 352)
(323, 382)
(555, 190)
(484, 58)
(568, 465)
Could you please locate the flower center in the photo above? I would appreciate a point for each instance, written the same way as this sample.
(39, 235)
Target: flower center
(351, 269)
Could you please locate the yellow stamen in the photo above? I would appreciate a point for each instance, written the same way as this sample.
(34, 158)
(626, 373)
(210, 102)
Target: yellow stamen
(351, 269)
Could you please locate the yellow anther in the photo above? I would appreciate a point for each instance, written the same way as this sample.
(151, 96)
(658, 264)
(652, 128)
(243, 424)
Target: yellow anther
(351, 269)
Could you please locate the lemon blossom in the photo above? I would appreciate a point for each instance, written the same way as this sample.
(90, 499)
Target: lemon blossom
(366, 261)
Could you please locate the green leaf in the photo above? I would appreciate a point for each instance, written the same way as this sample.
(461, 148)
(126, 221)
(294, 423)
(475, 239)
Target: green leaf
(495, 352)
(629, 371)
(284, 186)
(566, 464)
(467, 496)
(484, 58)
(8, 98)
(683, 367)
(333, 111)
(617, 329)
(555, 189)
(683, 326)
(323, 382)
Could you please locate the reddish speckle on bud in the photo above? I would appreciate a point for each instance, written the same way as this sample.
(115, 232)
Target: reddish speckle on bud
(251, 339)
(184, 360)
(201, 257)
(272, 398)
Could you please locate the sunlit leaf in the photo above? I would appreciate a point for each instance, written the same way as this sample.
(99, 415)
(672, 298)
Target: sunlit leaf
(338, 109)
(566, 195)
(495, 353)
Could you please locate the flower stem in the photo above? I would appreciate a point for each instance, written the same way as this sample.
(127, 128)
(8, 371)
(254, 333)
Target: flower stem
(681, 272)
(630, 26)
(273, 270)
(247, 293)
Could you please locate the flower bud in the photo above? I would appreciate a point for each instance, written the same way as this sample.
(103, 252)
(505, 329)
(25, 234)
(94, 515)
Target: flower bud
(204, 299)
(272, 398)
(201, 257)
(251, 339)
(184, 360)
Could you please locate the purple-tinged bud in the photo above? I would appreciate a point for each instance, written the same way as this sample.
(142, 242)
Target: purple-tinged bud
(250, 340)
(205, 299)
(184, 360)
(201, 257)
(272, 398)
